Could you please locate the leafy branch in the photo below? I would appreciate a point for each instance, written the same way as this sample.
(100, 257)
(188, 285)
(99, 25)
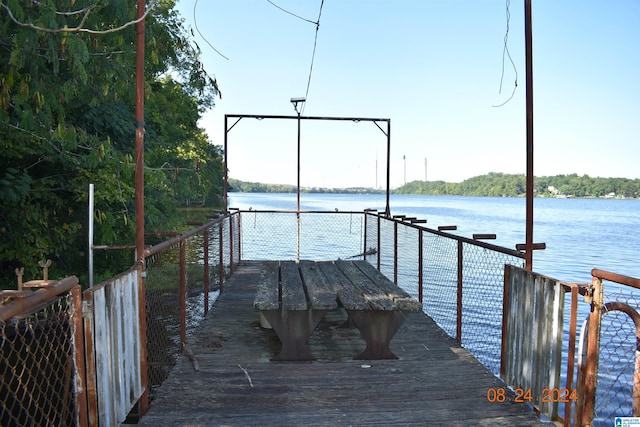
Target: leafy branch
(80, 27)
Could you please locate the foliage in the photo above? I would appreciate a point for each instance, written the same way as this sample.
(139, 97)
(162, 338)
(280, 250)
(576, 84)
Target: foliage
(506, 185)
(257, 187)
(67, 119)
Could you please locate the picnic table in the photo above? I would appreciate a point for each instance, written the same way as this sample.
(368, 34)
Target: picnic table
(294, 297)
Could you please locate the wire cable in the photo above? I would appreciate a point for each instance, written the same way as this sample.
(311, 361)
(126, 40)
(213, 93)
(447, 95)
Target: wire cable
(315, 43)
(291, 13)
(195, 24)
(505, 52)
(313, 55)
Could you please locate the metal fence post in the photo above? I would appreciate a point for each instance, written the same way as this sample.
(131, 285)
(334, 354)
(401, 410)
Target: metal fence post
(80, 357)
(239, 236)
(593, 350)
(206, 270)
(378, 243)
(183, 295)
(459, 297)
(420, 266)
(220, 256)
(231, 258)
(395, 252)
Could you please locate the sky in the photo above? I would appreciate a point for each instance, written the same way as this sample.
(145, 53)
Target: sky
(434, 68)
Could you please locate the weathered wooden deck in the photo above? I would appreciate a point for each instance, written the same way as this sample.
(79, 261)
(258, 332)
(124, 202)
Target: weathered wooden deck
(434, 381)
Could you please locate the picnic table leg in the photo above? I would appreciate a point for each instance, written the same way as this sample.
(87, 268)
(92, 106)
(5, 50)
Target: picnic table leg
(377, 328)
(294, 327)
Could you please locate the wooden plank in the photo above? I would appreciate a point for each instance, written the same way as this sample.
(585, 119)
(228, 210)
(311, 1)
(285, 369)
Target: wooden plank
(400, 297)
(292, 292)
(321, 294)
(237, 385)
(267, 292)
(350, 296)
(377, 298)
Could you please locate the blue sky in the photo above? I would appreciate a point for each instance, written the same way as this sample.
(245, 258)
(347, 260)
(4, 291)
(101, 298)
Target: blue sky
(434, 68)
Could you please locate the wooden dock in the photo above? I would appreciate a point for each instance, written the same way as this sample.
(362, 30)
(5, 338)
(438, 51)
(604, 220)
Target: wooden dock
(434, 381)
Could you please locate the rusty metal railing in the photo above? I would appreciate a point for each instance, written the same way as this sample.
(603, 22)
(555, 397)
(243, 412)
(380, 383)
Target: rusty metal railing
(51, 373)
(610, 371)
(599, 365)
(458, 280)
(293, 235)
(183, 276)
(41, 357)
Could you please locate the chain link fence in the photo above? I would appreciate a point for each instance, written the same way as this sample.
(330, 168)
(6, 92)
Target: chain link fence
(37, 352)
(619, 356)
(183, 278)
(268, 235)
(459, 281)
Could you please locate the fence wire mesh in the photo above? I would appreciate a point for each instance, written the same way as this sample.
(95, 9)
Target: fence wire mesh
(37, 367)
(618, 358)
(166, 329)
(270, 235)
(447, 259)
(482, 290)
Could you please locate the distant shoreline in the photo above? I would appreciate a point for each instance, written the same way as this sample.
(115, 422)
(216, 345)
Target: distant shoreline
(489, 185)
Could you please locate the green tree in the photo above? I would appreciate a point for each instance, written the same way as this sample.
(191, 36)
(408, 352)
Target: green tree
(67, 103)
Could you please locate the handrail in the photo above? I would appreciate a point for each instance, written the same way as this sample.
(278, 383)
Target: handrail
(420, 226)
(617, 278)
(292, 211)
(19, 305)
(175, 240)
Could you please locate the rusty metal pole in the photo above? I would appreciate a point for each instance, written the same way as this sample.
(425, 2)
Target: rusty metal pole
(143, 403)
(387, 210)
(298, 200)
(593, 350)
(395, 252)
(183, 295)
(140, 135)
(420, 265)
(206, 270)
(225, 205)
(529, 101)
(378, 244)
(80, 356)
(459, 293)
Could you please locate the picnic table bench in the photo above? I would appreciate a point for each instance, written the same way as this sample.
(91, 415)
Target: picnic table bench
(293, 297)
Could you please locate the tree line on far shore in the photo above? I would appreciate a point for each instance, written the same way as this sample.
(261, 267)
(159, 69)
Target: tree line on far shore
(491, 185)
(514, 185)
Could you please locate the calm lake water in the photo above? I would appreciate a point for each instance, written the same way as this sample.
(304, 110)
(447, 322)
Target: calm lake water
(580, 234)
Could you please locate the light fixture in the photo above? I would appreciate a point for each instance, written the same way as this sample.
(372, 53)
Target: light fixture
(296, 101)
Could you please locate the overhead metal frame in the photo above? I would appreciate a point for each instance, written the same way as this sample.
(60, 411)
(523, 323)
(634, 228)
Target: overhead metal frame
(239, 117)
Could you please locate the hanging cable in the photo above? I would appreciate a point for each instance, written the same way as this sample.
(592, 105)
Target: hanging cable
(505, 52)
(315, 43)
(313, 55)
(291, 13)
(195, 24)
